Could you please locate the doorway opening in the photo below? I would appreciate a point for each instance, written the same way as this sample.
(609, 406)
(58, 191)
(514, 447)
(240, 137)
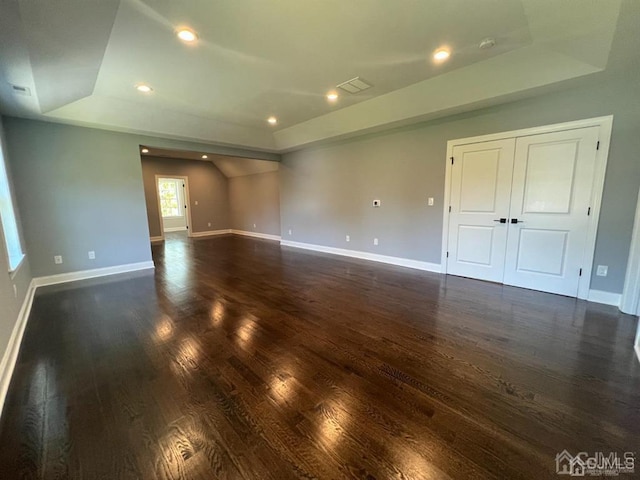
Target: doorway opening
(172, 192)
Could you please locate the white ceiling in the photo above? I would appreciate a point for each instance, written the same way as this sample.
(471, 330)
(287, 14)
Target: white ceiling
(255, 58)
(230, 166)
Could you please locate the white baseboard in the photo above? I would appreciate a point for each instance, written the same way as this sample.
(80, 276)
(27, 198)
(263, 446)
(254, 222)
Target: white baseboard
(156, 239)
(210, 233)
(608, 298)
(399, 261)
(10, 357)
(265, 236)
(96, 272)
(175, 229)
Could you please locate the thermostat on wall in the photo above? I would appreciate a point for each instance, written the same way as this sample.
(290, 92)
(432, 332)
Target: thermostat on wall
(376, 203)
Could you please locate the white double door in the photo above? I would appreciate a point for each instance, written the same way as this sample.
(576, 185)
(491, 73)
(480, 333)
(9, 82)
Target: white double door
(520, 209)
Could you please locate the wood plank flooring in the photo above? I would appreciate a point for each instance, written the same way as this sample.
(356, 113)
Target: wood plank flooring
(241, 359)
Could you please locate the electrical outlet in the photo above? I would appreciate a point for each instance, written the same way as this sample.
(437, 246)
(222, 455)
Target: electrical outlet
(602, 270)
(57, 259)
(348, 238)
(92, 255)
(196, 202)
(377, 203)
(290, 232)
(375, 241)
(209, 224)
(431, 201)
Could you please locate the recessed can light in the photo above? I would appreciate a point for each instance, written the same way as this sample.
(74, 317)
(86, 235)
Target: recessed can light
(205, 157)
(187, 35)
(144, 88)
(272, 120)
(145, 150)
(441, 54)
(332, 96)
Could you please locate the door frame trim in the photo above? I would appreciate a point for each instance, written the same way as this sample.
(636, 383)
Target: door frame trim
(605, 125)
(187, 202)
(630, 302)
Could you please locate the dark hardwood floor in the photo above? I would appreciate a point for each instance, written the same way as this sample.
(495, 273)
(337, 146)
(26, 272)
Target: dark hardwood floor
(242, 359)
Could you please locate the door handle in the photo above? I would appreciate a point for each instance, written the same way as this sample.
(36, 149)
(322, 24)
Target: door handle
(501, 220)
(515, 220)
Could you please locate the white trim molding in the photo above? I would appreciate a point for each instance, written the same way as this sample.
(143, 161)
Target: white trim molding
(210, 233)
(175, 229)
(10, 357)
(607, 298)
(605, 124)
(264, 236)
(637, 342)
(631, 292)
(374, 257)
(96, 272)
(156, 239)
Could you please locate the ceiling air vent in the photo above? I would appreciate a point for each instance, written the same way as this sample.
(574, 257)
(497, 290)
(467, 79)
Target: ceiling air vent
(18, 90)
(355, 85)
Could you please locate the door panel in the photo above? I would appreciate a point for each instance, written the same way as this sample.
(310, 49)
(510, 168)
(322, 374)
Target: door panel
(549, 177)
(542, 251)
(480, 195)
(475, 244)
(552, 185)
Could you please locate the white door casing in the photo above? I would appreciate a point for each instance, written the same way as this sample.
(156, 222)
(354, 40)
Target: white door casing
(187, 203)
(480, 194)
(179, 222)
(527, 205)
(551, 201)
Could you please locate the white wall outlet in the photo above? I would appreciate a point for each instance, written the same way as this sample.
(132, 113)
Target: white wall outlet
(348, 238)
(209, 224)
(602, 270)
(377, 203)
(57, 259)
(290, 232)
(254, 225)
(92, 255)
(430, 201)
(375, 241)
(196, 202)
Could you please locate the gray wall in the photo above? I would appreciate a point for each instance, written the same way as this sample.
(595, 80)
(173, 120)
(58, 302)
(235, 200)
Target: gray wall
(10, 303)
(207, 185)
(326, 192)
(255, 199)
(80, 189)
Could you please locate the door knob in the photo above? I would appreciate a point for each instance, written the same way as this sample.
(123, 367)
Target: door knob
(501, 220)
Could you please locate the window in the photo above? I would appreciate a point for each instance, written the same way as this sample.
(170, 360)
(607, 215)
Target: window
(8, 217)
(170, 197)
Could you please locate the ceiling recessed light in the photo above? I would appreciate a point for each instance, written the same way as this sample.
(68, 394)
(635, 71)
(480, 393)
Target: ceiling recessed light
(145, 150)
(332, 96)
(205, 157)
(144, 88)
(187, 35)
(441, 54)
(272, 120)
